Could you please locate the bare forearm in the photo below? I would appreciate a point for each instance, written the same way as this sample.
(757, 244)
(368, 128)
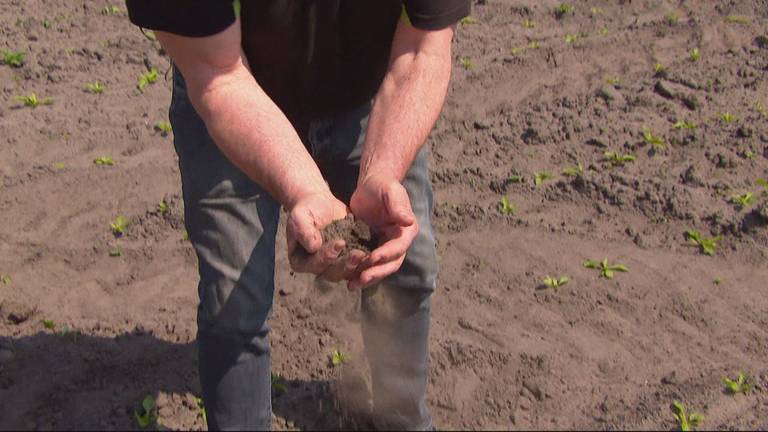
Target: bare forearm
(257, 137)
(404, 112)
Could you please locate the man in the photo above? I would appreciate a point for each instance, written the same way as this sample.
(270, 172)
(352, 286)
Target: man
(321, 107)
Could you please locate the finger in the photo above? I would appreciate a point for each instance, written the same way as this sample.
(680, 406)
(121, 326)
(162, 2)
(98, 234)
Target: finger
(318, 262)
(398, 205)
(375, 274)
(301, 228)
(400, 240)
(344, 267)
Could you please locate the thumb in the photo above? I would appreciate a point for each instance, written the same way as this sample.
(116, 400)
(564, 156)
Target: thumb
(398, 206)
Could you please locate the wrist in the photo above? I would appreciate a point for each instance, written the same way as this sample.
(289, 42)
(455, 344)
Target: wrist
(299, 194)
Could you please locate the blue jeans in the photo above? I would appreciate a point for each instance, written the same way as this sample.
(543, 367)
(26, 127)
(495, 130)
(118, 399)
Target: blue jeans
(232, 223)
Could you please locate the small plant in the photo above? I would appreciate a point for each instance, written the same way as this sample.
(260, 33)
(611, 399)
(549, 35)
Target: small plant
(760, 108)
(617, 159)
(278, 386)
(763, 183)
(163, 207)
(695, 55)
(12, 58)
(571, 38)
(564, 9)
(33, 101)
(528, 24)
(671, 18)
(739, 385)
(116, 252)
(111, 10)
(148, 416)
(505, 207)
(49, 324)
(466, 63)
(534, 44)
(164, 128)
(659, 69)
(147, 78)
(338, 358)
(706, 245)
(574, 171)
(185, 236)
(515, 179)
(119, 225)
(606, 270)
(201, 406)
(737, 19)
(539, 178)
(5, 279)
(603, 32)
(104, 161)
(682, 124)
(555, 283)
(596, 11)
(95, 87)
(743, 200)
(687, 422)
(728, 117)
(656, 141)
(517, 51)
(613, 80)
(468, 20)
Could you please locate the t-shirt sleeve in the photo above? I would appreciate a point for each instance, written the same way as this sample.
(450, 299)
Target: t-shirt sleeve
(193, 18)
(436, 14)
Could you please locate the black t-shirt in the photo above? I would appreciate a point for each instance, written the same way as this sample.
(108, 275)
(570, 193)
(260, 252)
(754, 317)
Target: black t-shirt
(313, 57)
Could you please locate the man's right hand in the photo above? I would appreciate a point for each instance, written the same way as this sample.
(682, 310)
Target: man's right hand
(306, 251)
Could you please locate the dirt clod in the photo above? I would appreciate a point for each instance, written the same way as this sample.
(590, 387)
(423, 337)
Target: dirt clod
(354, 232)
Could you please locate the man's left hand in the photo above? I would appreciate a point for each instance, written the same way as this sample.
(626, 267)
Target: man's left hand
(383, 203)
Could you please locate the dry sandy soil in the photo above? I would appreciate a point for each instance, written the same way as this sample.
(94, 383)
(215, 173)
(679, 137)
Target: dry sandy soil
(505, 352)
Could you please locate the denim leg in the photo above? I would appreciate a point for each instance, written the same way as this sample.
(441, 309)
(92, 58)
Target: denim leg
(232, 225)
(396, 312)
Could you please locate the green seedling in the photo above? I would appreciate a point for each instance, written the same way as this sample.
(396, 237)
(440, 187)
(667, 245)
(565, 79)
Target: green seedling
(5, 279)
(617, 159)
(468, 20)
(111, 10)
(95, 87)
(571, 38)
(119, 225)
(539, 178)
(706, 245)
(749, 154)
(564, 9)
(596, 11)
(147, 78)
(737, 19)
(606, 270)
(278, 386)
(603, 32)
(574, 171)
(728, 117)
(760, 108)
(613, 80)
(695, 55)
(672, 18)
(104, 161)
(739, 385)
(682, 124)
(528, 24)
(505, 207)
(515, 179)
(534, 44)
(659, 69)
(517, 51)
(148, 416)
(201, 406)
(164, 128)
(185, 236)
(687, 422)
(59, 165)
(116, 252)
(717, 281)
(338, 357)
(33, 101)
(163, 207)
(555, 283)
(743, 200)
(49, 324)
(763, 183)
(12, 58)
(656, 141)
(466, 63)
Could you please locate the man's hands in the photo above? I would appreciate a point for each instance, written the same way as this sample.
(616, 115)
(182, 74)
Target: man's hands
(383, 203)
(306, 251)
